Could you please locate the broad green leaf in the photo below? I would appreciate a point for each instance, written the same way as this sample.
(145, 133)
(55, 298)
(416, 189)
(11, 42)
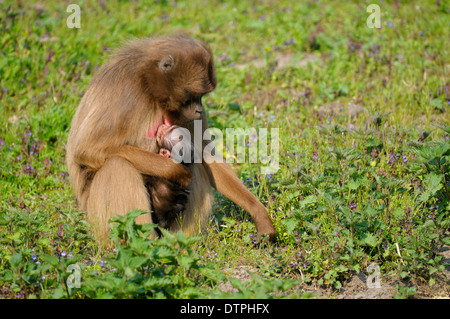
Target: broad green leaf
(136, 262)
(290, 224)
(398, 213)
(370, 240)
(371, 212)
(428, 223)
(52, 260)
(185, 261)
(341, 268)
(6, 275)
(308, 200)
(432, 182)
(15, 260)
(44, 241)
(58, 293)
(354, 184)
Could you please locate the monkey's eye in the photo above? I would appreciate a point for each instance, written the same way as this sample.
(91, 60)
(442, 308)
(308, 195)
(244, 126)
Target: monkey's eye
(192, 100)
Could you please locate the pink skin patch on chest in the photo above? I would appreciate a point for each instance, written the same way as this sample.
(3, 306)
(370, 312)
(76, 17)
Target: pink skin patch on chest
(152, 130)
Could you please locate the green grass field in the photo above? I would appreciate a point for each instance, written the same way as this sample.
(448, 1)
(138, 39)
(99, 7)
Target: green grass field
(363, 116)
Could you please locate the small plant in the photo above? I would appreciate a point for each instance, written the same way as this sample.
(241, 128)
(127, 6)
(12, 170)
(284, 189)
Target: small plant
(150, 268)
(405, 292)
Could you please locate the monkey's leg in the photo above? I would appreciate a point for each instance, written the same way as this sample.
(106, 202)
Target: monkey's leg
(194, 218)
(116, 189)
(225, 181)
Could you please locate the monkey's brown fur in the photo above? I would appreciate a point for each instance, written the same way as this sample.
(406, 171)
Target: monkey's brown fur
(111, 147)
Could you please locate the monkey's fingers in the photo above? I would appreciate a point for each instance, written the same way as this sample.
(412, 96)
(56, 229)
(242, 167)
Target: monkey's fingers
(165, 152)
(266, 233)
(226, 182)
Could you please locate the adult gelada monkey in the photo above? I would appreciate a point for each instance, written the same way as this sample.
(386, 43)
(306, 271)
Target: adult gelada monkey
(111, 148)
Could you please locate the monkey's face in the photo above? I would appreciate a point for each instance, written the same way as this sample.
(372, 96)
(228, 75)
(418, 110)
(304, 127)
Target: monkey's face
(187, 111)
(192, 109)
(182, 74)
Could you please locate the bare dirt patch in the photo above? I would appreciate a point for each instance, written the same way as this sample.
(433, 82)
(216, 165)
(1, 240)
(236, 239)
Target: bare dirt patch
(356, 287)
(282, 59)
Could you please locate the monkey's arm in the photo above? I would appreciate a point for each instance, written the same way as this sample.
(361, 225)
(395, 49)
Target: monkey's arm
(153, 164)
(225, 181)
(145, 162)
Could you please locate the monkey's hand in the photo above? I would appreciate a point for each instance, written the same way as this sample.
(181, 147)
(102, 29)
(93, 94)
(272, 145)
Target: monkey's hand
(165, 152)
(224, 180)
(183, 178)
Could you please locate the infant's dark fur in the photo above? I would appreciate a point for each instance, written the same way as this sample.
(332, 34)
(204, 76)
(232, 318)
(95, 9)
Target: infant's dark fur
(168, 199)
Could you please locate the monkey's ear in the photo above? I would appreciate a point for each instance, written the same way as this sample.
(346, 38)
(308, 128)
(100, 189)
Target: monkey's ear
(166, 64)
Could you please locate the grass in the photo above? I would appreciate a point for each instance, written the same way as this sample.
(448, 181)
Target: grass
(364, 148)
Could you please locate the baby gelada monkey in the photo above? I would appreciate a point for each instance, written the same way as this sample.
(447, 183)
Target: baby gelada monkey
(167, 204)
(167, 136)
